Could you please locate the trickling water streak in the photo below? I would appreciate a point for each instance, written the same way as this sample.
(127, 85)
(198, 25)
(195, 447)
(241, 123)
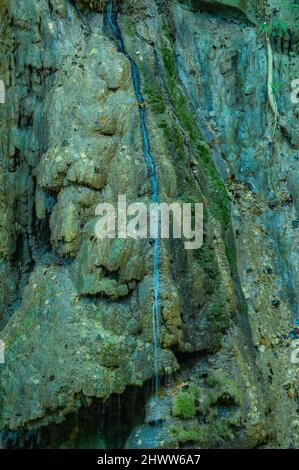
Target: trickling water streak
(153, 183)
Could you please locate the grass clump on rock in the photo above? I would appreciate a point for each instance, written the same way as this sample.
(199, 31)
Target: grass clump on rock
(184, 404)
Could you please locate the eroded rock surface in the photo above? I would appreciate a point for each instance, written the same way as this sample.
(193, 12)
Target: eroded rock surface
(76, 312)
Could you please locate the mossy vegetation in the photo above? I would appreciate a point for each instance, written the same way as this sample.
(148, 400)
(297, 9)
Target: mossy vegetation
(210, 414)
(203, 435)
(212, 185)
(225, 390)
(184, 404)
(155, 98)
(166, 100)
(190, 432)
(217, 313)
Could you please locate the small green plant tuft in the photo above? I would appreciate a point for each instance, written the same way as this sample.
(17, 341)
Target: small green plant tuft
(190, 432)
(184, 404)
(213, 432)
(224, 389)
(276, 29)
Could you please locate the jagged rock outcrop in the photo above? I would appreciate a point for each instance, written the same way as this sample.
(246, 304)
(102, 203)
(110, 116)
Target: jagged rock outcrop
(77, 311)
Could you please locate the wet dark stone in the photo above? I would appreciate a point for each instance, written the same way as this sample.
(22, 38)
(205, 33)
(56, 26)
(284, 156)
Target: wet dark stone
(249, 186)
(157, 422)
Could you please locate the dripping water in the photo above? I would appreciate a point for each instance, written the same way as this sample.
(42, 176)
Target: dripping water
(153, 184)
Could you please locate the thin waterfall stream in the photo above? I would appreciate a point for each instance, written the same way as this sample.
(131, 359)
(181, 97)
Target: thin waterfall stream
(112, 20)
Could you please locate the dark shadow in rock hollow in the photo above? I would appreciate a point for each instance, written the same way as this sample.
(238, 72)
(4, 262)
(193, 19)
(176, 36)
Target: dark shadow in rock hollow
(98, 426)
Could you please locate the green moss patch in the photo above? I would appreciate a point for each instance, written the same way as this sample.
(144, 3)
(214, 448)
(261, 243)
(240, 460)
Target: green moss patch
(184, 404)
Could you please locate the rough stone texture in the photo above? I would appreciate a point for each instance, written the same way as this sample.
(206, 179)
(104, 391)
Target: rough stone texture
(76, 311)
(243, 9)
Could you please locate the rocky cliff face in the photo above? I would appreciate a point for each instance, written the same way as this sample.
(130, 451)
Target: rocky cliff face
(76, 312)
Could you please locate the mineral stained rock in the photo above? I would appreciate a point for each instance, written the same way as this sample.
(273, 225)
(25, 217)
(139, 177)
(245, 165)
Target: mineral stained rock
(76, 311)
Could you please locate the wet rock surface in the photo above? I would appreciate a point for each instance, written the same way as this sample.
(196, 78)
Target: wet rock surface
(75, 311)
